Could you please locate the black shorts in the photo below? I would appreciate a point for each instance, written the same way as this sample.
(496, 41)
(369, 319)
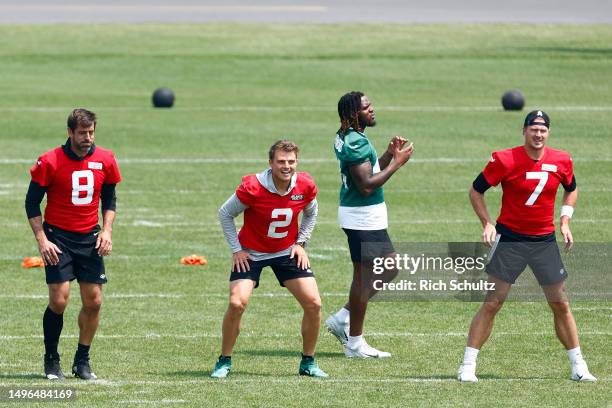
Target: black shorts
(284, 268)
(510, 255)
(367, 245)
(79, 258)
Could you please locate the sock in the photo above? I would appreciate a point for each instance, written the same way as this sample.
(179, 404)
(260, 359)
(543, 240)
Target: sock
(306, 358)
(52, 328)
(343, 315)
(82, 352)
(470, 355)
(575, 355)
(225, 358)
(354, 341)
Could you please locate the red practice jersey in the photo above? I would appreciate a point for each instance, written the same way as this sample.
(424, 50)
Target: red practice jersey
(529, 187)
(73, 186)
(271, 221)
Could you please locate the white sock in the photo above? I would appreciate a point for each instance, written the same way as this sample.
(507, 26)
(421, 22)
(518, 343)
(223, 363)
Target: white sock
(575, 355)
(344, 315)
(354, 341)
(470, 355)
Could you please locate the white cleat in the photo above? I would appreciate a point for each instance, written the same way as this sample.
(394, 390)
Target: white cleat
(364, 350)
(467, 373)
(580, 372)
(338, 329)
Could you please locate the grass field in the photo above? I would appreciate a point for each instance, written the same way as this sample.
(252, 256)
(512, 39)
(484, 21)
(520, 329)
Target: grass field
(239, 88)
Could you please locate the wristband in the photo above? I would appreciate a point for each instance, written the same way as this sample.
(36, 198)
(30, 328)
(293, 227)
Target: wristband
(567, 210)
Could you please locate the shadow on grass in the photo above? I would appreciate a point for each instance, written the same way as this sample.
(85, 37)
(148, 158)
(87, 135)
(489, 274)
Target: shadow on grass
(206, 374)
(287, 353)
(23, 376)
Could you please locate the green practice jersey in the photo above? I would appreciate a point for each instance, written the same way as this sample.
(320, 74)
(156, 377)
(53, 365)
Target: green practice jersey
(354, 148)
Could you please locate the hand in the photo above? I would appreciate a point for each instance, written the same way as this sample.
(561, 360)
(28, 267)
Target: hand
(104, 243)
(49, 252)
(401, 156)
(240, 261)
(567, 237)
(396, 142)
(489, 234)
(302, 259)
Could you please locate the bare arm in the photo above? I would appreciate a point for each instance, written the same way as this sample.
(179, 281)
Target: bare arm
(385, 159)
(367, 182)
(49, 252)
(104, 243)
(480, 208)
(569, 198)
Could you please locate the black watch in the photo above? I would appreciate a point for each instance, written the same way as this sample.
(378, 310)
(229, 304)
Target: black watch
(302, 244)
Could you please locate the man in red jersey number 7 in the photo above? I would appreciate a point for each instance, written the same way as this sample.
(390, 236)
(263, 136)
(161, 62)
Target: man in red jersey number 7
(271, 202)
(76, 177)
(525, 235)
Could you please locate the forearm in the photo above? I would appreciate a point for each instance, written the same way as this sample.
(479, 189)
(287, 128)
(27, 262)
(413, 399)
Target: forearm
(367, 183)
(308, 221)
(569, 199)
(480, 207)
(37, 228)
(384, 160)
(230, 210)
(108, 217)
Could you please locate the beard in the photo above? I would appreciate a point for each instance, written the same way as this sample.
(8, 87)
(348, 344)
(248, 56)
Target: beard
(363, 123)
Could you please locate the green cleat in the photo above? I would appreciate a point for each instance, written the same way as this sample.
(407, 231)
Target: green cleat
(310, 368)
(222, 367)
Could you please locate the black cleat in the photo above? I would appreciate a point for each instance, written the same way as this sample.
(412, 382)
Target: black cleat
(80, 369)
(53, 371)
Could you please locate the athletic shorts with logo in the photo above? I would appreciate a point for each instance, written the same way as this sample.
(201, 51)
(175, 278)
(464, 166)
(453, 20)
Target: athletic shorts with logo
(79, 258)
(512, 253)
(284, 267)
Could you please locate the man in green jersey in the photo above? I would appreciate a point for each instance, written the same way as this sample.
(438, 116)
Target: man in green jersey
(362, 213)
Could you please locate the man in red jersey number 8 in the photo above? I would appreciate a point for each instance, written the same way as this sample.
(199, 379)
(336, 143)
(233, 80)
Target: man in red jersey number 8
(76, 177)
(525, 235)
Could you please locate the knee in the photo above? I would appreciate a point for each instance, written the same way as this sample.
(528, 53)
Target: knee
(236, 307)
(58, 303)
(560, 308)
(491, 307)
(313, 306)
(92, 304)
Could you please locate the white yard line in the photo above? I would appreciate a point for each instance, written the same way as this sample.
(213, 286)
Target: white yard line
(176, 336)
(295, 380)
(273, 109)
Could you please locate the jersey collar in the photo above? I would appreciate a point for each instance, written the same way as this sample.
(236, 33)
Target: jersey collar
(265, 179)
(68, 151)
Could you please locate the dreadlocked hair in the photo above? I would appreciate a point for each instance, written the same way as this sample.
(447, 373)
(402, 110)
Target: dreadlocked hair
(349, 106)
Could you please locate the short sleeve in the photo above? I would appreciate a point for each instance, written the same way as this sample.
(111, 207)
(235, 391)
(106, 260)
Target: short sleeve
(112, 171)
(244, 195)
(356, 149)
(311, 187)
(42, 171)
(495, 170)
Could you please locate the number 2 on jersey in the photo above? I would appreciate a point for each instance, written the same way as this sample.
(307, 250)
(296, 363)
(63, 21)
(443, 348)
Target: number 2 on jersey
(277, 213)
(536, 175)
(77, 187)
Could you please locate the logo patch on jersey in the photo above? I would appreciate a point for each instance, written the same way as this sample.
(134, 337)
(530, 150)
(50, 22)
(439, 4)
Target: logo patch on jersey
(338, 143)
(549, 167)
(297, 197)
(94, 165)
